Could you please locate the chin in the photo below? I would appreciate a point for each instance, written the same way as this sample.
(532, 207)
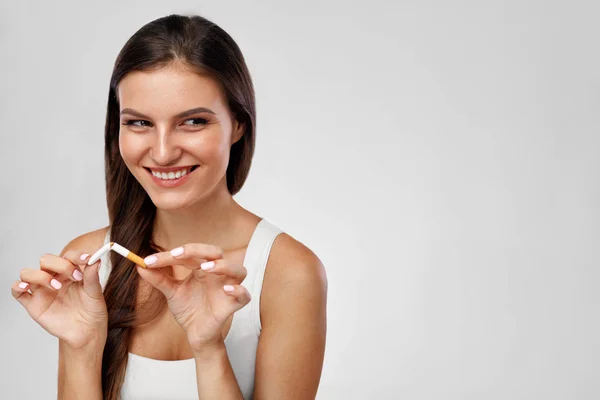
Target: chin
(171, 202)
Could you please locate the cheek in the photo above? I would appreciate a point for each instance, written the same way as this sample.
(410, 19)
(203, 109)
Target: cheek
(129, 146)
(211, 147)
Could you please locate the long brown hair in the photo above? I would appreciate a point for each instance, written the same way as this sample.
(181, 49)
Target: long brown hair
(209, 50)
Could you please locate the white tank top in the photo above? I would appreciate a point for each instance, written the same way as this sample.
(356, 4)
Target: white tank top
(150, 379)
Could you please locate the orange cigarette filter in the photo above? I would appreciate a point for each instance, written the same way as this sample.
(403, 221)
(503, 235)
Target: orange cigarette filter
(128, 254)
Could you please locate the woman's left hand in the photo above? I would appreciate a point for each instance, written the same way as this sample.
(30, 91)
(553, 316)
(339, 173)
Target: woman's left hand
(202, 302)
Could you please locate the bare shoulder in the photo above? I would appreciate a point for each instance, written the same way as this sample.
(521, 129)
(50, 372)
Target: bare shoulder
(90, 241)
(295, 274)
(291, 262)
(293, 313)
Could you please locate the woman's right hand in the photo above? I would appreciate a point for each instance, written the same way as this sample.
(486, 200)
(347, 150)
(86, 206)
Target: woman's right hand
(66, 299)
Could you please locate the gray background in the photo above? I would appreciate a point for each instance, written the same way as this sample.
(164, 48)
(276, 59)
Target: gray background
(440, 157)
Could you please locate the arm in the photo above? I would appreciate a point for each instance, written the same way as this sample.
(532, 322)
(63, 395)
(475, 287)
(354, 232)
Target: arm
(201, 304)
(80, 372)
(293, 313)
(214, 374)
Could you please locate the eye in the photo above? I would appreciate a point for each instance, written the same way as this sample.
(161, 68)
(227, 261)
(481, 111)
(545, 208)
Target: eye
(140, 123)
(134, 121)
(200, 122)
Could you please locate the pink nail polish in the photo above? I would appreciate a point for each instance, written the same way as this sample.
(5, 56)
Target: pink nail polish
(177, 251)
(77, 275)
(55, 284)
(84, 256)
(207, 265)
(23, 285)
(228, 288)
(150, 260)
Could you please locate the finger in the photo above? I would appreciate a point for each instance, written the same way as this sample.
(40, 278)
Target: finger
(19, 292)
(158, 279)
(239, 296)
(91, 281)
(41, 278)
(190, 254)
(33, 287)
(223, 267)
(56, 265)
(77, 257)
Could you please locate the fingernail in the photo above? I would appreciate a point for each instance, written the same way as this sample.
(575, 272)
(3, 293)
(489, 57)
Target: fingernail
(150, 260)
(84, 256)
(55, 284)
(23, 285)
(177, 251)
(207, 265)
(77, 275)
(228, 288)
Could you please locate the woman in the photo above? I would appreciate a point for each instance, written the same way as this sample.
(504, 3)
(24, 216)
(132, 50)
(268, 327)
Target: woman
(229, 307)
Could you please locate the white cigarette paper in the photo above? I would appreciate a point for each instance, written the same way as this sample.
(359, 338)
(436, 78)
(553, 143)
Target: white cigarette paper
(97, 255)
(120, 249)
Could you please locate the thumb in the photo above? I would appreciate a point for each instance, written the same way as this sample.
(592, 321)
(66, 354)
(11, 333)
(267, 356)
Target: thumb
(158, 279)
(91, 280)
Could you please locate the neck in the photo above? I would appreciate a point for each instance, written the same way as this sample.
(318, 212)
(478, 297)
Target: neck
(209, 221)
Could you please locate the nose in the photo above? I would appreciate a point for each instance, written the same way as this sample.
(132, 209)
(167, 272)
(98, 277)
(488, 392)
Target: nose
(165, 150)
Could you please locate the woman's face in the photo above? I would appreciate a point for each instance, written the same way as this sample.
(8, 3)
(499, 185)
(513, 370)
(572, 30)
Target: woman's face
(175, 134)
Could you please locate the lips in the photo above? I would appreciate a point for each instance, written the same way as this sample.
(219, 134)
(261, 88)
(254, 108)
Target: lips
(171, 173)
(171, 177)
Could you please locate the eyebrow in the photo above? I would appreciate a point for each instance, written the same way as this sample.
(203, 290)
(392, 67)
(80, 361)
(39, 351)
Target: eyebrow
(192, 111)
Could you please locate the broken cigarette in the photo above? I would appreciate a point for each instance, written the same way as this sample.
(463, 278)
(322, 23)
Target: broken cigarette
(118, 249)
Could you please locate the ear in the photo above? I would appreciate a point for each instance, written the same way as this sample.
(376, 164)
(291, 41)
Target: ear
(237, 131)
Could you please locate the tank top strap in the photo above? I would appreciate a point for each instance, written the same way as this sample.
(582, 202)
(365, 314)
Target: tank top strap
(255, 261)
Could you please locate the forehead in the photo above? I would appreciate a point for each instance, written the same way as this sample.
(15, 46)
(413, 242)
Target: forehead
(168, 91)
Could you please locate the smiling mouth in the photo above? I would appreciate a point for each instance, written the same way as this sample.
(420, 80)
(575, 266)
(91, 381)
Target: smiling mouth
(173, 174)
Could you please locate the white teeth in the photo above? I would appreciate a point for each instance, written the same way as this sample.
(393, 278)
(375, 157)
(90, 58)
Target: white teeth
(170, 175)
